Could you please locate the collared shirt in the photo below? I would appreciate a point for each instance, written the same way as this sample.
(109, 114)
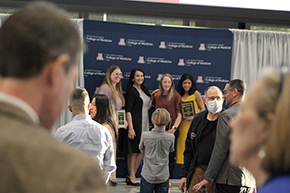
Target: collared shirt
(88, 135)
(157, 144)
(17, 102)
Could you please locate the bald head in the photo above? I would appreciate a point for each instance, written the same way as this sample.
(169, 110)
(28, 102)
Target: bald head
(213, 89)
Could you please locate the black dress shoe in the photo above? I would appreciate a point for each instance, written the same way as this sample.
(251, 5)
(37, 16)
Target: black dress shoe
(111, 183)
(129, 182)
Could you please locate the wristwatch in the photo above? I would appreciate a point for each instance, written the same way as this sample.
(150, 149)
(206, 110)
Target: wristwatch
(175, 128)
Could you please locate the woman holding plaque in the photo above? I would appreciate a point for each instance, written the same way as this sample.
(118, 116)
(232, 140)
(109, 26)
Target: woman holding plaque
(103, 111)
(112, 86)
(191, 104)
(166, 97)
(138, 103)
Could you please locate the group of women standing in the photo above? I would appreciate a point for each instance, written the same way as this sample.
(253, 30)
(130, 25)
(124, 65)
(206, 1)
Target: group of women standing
(137, 103)
(266, 127)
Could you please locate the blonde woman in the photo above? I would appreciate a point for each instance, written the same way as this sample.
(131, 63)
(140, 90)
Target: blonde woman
(166, 97)
(112, 86)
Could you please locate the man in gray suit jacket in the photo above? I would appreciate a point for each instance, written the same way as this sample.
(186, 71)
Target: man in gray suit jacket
(39, 50)
(228, 178)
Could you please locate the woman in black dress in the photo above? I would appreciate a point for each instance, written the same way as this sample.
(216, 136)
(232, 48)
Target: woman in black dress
(138, 103)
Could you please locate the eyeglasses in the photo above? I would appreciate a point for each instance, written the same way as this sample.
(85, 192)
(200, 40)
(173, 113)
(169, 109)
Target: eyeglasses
(118, 74)
(213, 98)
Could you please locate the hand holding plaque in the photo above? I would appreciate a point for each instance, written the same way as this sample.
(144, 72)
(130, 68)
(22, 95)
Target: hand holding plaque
(121, 118)
(187, 109)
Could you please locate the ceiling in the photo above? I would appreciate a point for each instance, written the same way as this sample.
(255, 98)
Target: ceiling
(185, 12)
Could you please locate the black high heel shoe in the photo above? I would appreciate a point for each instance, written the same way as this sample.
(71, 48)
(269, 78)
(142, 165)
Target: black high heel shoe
(129, 182)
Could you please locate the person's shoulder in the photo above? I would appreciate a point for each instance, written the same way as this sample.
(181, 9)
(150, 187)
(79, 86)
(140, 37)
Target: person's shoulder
(97, 126)
(131, 90)
(146, 133)
(192, 96)
(231, 111)
(168, 135)
(279, 184)
(176, 94)
(61, 128)
(201, 114)
(59, 132)
(68, 157)
(156, 92)
(103, 129)
(196, 92)
(35, 148)
(103, 87)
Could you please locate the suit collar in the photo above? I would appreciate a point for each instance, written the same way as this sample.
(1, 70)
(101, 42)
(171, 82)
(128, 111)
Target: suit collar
(20, 104)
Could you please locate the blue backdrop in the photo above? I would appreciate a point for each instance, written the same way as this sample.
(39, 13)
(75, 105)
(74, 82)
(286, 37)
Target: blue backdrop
(204, 53)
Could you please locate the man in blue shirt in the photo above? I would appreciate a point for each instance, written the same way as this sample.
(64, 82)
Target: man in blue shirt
(86, 134)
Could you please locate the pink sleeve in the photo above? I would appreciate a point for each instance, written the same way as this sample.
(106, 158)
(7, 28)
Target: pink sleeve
(105, 89)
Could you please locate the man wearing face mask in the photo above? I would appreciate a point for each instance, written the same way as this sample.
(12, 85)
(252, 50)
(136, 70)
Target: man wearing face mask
(227, 178)
(200, 141)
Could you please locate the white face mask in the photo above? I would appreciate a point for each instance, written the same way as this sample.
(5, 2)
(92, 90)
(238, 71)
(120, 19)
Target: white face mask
(215, 106)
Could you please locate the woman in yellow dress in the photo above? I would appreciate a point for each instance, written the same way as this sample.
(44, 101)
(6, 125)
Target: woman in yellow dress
(188, 90)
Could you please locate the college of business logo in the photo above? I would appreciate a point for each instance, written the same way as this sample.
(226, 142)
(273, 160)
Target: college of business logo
(181, 62)
(100, 56)
(201, 46)
(122, 42)
(162, 45)
(141, 60)
(199, 79)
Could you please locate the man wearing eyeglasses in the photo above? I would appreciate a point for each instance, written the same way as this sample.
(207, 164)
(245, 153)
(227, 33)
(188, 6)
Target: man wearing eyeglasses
(227, 178)
(200, 141)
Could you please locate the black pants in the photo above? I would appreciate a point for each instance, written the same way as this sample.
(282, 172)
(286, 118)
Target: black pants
(172, 156)
(224, 188)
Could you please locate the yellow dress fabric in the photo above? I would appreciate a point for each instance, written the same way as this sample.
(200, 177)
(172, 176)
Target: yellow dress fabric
(183, 129)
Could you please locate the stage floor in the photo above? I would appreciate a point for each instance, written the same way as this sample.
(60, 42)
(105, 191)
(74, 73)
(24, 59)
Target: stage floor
(122, 187)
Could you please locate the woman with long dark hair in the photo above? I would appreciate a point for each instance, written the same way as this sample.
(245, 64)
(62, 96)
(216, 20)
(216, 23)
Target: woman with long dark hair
(138, 103)
(188, 90)
(103, 111)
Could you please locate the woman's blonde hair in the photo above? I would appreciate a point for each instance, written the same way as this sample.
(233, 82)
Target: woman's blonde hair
(275, 99)
(108, 81)
(161, 117)
(171, 90)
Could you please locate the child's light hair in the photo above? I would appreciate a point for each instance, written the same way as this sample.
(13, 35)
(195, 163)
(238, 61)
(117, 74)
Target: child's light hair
(161, 117)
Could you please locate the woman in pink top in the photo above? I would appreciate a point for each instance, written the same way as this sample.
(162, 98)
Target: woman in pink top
(112, 86)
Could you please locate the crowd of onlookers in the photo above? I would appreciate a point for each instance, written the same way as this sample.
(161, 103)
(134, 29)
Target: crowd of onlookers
(244, 148)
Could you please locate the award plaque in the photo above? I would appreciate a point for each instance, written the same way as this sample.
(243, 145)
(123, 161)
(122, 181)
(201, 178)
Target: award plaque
(121, 117)
(187, 109)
